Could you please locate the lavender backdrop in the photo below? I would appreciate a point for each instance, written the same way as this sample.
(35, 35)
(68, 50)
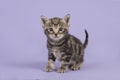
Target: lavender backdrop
(23, 53)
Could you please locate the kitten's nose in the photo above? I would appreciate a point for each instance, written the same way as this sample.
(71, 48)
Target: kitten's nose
(55, 35)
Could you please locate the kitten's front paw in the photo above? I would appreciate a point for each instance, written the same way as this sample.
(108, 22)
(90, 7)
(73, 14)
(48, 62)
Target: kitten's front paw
(49, 69)
(75, 67)
(61, 70)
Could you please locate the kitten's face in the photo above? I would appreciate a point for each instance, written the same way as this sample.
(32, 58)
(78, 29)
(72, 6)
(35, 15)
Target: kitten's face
(56, 28)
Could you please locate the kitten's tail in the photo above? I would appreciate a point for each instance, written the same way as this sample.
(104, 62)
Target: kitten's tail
(86, 39)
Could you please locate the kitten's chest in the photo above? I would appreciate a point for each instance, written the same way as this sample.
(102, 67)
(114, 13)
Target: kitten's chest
(56, 51)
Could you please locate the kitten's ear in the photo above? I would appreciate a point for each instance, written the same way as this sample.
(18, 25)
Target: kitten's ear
(67, 18)
(44, 19)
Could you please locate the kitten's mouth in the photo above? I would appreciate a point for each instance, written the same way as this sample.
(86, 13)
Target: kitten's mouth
(56, 37)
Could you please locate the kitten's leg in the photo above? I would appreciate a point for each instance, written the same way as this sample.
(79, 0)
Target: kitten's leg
(77, 65)
(64, 64)
(78, 58)
(51, 60)
(63, 67)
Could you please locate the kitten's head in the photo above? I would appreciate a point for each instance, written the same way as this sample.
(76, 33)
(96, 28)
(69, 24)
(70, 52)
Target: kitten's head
(56, 28)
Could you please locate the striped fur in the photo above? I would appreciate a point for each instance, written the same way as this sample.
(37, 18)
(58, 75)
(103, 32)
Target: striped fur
(61, 45)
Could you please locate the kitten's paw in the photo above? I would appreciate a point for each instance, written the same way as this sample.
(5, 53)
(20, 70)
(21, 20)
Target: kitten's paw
(61, 70)
(74, 67)
(49, 69)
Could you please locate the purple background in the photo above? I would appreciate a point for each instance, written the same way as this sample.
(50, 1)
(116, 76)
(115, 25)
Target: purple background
(23, 52)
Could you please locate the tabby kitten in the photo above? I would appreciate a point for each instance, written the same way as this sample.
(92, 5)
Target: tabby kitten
(61, 45)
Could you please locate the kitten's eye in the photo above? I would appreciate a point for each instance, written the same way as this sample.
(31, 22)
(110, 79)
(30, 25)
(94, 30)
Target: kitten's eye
(61, 29)
(50, 30)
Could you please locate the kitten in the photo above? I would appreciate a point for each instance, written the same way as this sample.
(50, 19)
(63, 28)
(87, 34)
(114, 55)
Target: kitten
(61, 45)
